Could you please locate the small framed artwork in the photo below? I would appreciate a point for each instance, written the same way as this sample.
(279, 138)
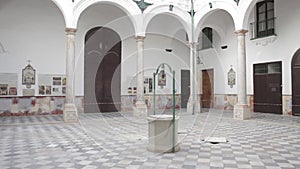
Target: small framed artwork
(48, 90)
(231, 77)
(64, 81)
(129, 90)
(41, 89)
(28, 75)
(63, 90)
(146, 81)
(150, 85)
(56, 81)
(13, 91)
(134, 90)
(55, 90)
(3, 89)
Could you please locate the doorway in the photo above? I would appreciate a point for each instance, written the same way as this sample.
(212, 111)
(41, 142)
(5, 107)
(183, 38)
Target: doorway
(296, 84)
(102, 71)
(207, 97)
(268, 87)
(185, 87)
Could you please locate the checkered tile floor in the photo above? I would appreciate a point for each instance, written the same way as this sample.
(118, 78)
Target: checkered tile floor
(119, 140)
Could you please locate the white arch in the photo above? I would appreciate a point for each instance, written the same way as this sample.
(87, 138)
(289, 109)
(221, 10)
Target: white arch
(183, 16)
(245, 9)
(66, 10)
(229, 6)
(129, 7)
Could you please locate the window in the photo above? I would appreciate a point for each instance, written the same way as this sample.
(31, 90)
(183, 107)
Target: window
(267, 68)
(206, 38)
(265, 18)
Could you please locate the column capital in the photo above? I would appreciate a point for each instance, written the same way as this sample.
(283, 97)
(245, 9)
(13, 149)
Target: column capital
(193, 43)
(140, 38)
(71, 30)
(241, 32)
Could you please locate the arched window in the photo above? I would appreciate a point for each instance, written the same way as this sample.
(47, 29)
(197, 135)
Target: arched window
(206, 38)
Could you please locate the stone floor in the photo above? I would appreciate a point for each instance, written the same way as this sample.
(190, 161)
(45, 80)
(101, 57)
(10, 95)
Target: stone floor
(119, 140)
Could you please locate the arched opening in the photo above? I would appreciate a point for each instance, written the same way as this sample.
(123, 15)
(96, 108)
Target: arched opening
(216, 43)
(102, 69)
(296, 83)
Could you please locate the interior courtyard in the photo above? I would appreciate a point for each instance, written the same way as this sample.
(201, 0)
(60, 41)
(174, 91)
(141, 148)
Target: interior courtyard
(148, 84)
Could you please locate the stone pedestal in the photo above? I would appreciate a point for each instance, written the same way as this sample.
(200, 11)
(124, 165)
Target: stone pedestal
(140, 109)
(241, 112)
(197, 107)
(161, 133)
(70, 113)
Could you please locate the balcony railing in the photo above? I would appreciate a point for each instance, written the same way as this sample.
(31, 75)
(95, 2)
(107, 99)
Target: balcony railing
(263, 28)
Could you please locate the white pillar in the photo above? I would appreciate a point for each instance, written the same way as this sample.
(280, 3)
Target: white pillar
(241, 109)
(141, 108)
(70, 110)
(194, 103)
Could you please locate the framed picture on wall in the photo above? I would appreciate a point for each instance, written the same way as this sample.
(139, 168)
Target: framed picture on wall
(63, 90)
(64, 81)
(48, 90)
(28, 75)
(3, 89)
(56, 90)
(13, 91)
(41, 89)
(56, 81)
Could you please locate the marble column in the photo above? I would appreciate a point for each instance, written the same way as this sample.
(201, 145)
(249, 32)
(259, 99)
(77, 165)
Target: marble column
(70, 110)
(140, 106)
(241, 109)
(194, 103)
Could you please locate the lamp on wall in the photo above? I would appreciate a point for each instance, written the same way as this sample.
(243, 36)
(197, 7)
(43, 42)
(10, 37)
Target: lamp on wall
(171, 7)
(237, 2)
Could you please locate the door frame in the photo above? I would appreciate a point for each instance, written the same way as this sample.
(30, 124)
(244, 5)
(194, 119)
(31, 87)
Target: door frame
(267, 106)
(93, 64)
(293, 64)
(211, 79)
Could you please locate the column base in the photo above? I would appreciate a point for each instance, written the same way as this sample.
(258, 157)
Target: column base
(140, 109)
(197, 107)
(241, 112)
(70, 113)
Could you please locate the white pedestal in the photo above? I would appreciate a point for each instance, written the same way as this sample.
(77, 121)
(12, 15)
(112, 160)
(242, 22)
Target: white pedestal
(70, 113)
(241, 112)
(161, 133)
(197, 108)
(140, 109)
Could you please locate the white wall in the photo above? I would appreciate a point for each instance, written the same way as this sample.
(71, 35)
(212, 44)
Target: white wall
(220, 59)
(280, 48)
(162, 35)
(163, 32)
(32, 30)
(112, 17)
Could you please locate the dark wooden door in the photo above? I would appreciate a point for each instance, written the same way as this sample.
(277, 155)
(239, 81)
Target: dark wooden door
(296, 83)
(185, 87)
(107, 83)
(207, 96)
(102, 72)
(268, 88)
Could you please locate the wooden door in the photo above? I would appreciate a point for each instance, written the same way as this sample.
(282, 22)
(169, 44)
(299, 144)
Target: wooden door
(207, 97)
(185, 87)
(102, 71)
(268, 88)
(296, 83)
